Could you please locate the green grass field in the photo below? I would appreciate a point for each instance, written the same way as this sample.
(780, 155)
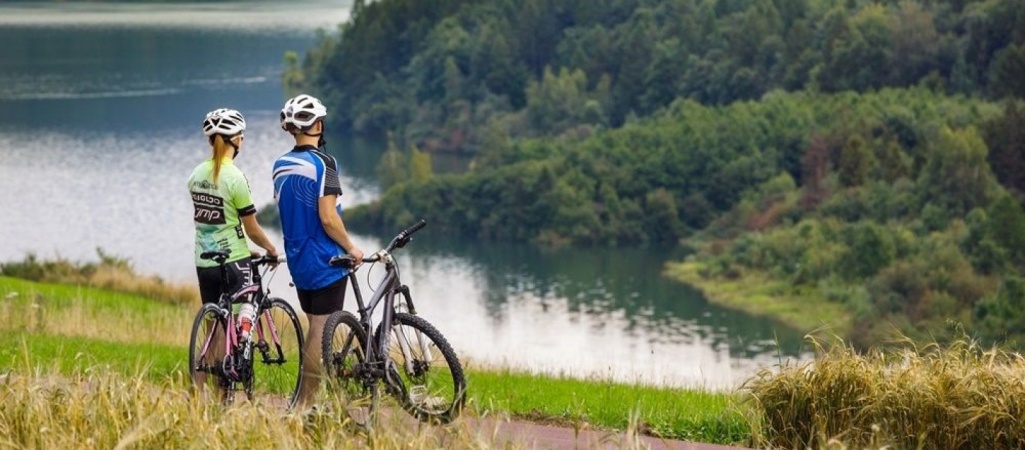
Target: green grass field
(82, 367)
(56, 330)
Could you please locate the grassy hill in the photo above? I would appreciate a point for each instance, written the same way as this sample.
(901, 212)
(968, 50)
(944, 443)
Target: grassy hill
(80, 365)
(74, 335)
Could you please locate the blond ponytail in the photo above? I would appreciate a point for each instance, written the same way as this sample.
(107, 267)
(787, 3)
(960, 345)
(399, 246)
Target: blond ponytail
(221, 149)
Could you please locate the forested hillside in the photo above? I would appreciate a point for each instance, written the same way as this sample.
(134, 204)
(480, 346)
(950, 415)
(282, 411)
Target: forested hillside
(871, 152)
(440, 72)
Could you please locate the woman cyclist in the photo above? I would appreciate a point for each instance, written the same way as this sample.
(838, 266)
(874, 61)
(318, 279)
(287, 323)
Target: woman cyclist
(224, 212)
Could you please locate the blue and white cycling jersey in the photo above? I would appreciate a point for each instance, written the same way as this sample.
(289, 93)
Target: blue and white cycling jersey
(301, 177)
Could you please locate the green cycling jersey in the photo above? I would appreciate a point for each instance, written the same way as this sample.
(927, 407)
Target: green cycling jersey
(219, 209)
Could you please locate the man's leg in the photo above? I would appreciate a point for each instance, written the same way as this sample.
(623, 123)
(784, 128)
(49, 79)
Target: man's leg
(318, 306)
(312, 370)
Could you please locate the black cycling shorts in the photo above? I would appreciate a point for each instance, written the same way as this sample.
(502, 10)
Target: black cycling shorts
(325, 300)
(240, 274)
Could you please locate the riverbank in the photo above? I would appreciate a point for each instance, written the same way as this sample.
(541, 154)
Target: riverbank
(804, 309)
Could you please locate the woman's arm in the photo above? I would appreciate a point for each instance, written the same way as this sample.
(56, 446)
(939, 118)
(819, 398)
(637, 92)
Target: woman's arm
(256, 234)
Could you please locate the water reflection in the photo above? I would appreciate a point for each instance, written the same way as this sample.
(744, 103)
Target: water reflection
(625, 284)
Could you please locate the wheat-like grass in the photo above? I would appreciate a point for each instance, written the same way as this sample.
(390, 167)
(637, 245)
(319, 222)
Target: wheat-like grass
(98, 409)
(959, 396)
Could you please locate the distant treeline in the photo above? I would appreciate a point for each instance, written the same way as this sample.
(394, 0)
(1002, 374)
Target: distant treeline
(870, 151)
(441, 73)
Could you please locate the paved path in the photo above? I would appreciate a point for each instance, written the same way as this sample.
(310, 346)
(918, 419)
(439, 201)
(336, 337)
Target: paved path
(529, 435)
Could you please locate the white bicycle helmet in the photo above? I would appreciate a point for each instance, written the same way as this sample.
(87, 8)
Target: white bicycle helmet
(224, 121)
(302, 111)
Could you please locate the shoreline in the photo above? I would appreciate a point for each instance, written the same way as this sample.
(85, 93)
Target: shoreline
(804, 310)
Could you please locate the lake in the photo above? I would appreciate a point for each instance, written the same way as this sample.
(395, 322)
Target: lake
(100, 113)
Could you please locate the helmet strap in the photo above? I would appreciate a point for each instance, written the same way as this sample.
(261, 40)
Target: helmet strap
(231, 142)
(320, 142)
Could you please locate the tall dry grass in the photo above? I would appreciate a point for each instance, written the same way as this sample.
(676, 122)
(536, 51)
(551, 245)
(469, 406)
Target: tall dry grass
(101, 409)
(74, 311)
(959, 396)
(106, 410)
(110, 272)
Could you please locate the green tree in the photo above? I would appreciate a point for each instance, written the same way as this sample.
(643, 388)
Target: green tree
(663, 219)
(1001, 317)
(956, 175)
(814, 168)
(1005, 137)
(420, 165)
(915, 43)
(1008, 72)
(856, 161)
(393, 167)
(893, 162)
(293, 78)
(870, 249)
(559, 101)
(1007, 227)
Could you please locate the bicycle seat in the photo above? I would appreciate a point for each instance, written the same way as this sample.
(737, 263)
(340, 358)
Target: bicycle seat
(217, 255)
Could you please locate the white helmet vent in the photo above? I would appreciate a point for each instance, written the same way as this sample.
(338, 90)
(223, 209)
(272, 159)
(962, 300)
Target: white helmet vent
(302, 111)
(224, 121)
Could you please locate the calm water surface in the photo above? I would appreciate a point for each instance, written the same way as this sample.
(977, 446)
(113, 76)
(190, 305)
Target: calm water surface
(100, 106)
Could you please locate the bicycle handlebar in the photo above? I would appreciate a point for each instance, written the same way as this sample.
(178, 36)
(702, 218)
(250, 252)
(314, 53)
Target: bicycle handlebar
(222, 255)
(406, 235)
(399, 241)
(267, 259)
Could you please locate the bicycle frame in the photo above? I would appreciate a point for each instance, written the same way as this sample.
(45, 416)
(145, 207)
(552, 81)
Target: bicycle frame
(232, 339)
(385, 292)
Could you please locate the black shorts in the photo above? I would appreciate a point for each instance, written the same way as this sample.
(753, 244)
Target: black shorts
(325, 300)
(240, 274)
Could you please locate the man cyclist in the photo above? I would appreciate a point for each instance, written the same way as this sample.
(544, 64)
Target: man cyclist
(306, 188)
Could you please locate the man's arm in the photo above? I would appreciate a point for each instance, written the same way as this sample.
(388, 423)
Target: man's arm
(334, 227)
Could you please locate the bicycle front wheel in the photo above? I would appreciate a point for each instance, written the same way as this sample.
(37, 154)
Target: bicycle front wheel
(206, 352)
(278, 352)
(433, 378)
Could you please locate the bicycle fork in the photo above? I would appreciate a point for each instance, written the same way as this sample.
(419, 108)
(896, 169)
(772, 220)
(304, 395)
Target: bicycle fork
(262, 344)
(410, 363)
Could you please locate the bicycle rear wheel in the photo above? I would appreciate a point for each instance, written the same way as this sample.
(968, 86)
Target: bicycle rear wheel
(277, 352)
(206, 353)
(433, 379)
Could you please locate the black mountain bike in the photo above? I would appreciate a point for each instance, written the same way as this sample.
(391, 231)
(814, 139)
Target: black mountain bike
(266, 358)
(407, 355)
